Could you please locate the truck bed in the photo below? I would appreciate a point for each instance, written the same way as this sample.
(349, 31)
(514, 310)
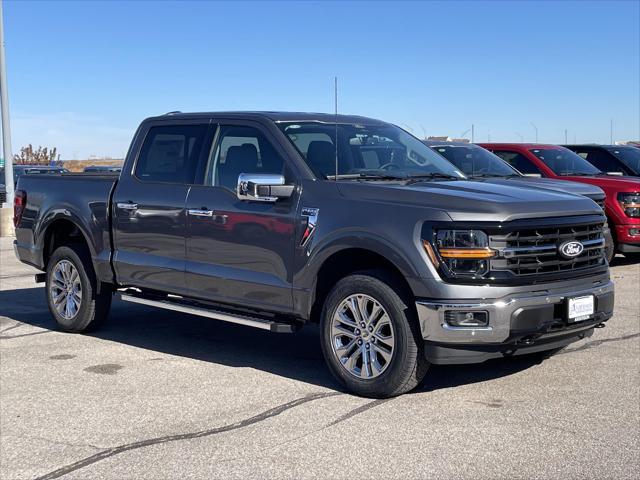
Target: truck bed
(83, 199)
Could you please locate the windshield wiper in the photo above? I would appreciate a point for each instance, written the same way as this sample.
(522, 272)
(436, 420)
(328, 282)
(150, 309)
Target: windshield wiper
(489, 175)
(420, 176)
(577, 174)
(366, 176)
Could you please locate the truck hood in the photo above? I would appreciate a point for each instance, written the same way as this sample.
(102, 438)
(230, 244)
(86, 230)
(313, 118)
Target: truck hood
(473, 201)
(630, 184)
(591, 191)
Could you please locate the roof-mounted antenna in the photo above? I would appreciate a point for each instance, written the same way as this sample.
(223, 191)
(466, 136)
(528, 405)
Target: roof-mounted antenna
(335, 98)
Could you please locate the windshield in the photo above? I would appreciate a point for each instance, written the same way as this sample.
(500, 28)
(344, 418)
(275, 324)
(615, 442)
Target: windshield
(365, 150)
(565, 162)
(630, 156)
(475, 161)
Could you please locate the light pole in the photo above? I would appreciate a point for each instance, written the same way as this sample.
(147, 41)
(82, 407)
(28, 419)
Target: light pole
(536, 129)
(611, 133)
(6, 129)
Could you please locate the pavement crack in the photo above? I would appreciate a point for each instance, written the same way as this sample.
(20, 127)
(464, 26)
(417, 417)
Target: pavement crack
(596, 343)
(60, 442)
(7, 337)
(357, 411)
(350, 414)
(12, 327)
(110, 452)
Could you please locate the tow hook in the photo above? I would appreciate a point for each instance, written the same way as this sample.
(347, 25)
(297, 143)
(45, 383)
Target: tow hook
(601, 325)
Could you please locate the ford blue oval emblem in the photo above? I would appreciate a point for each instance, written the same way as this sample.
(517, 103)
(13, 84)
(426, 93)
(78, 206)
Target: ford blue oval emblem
(571, 249)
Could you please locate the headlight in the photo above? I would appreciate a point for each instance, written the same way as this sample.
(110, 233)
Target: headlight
(464, 253)
(630, 203)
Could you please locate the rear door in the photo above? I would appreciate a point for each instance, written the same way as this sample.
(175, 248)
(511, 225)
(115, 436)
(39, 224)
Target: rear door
(149, 219)
(241, 251)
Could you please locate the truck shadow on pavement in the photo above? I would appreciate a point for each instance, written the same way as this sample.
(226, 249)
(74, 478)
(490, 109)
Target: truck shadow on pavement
(297, 356)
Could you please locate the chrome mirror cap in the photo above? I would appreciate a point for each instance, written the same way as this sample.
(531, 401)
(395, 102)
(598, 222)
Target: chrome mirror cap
(262, 187)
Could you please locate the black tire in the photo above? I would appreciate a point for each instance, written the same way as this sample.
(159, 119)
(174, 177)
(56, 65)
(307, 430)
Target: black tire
(609, 247)
(408, 364)
(94, 307)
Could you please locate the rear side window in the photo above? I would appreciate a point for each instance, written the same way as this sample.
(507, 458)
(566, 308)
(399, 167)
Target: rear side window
(519, 162)
(170, 154)
(603, 161)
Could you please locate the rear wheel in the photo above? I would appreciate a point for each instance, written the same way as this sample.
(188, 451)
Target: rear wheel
(71, 290)
(370, 336)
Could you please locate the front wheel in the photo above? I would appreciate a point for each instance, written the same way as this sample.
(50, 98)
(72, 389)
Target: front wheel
(71, 290)
(371, 338)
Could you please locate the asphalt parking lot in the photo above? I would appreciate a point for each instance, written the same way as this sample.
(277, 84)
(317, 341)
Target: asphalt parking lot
(156, 395)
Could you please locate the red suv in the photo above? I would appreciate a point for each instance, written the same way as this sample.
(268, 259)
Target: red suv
(622, 204)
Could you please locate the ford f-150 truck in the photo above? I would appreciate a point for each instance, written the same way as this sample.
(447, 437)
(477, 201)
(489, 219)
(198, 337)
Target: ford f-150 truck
(622, 205)
(274, 220)
(481, 165)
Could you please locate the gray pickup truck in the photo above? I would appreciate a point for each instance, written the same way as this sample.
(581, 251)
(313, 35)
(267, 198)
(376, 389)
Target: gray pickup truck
(274, 220)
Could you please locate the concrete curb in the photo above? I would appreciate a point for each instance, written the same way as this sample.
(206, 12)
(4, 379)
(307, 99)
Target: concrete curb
(6, 222)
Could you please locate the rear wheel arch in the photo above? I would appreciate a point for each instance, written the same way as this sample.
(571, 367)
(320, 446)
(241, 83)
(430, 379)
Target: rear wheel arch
(61, 232)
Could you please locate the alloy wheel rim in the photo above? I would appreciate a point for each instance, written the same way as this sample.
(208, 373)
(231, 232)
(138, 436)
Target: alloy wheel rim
(66, 289)
(362, 336)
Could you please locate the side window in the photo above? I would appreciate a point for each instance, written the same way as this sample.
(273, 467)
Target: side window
(518, 161)
(603, 161)
(170, 154)
(241, 150)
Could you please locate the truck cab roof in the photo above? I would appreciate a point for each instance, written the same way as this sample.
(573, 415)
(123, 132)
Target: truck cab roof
(275, 116)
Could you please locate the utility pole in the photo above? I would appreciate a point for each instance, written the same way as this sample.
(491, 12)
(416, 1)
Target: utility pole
(565, 136)
(6, 129)
(536, 129)
(611, 133)
(473, 133)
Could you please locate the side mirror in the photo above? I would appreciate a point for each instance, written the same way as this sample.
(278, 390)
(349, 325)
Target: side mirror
(262, 187)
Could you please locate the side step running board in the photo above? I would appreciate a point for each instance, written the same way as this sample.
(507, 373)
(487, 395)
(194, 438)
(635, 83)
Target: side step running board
(184, 307)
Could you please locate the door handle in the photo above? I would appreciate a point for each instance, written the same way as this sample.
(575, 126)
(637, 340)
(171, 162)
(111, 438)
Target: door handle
(200, 213)
(127, 206)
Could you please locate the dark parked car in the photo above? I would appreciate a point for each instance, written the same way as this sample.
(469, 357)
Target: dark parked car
(103, 169)
(19, 170)
(25, 170)
(611, 159)
(481, 165)
(241, 217)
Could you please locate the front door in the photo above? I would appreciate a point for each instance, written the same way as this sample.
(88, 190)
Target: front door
(240, 251)
(149, 219)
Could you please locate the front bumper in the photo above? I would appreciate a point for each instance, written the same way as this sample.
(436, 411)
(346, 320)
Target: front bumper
(628, 237)
(518, 321)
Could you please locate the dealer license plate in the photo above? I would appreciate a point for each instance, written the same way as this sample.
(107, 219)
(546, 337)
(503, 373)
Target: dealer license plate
(580, 308)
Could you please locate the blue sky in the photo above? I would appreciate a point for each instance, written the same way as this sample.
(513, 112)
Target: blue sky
(83, 74)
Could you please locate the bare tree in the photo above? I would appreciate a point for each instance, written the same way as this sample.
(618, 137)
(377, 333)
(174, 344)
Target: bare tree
(40, 156)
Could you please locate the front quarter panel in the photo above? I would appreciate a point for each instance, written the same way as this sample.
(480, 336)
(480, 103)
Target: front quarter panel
(384, 229)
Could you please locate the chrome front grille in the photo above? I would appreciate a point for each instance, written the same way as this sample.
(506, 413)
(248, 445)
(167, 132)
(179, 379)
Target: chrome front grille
(535, 251)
